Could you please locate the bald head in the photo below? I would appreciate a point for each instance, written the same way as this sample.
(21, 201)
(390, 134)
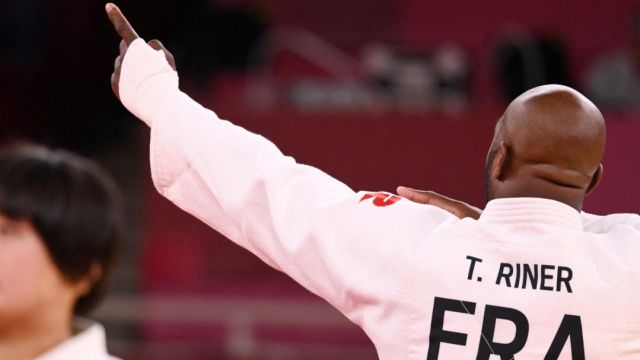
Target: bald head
(549, 143)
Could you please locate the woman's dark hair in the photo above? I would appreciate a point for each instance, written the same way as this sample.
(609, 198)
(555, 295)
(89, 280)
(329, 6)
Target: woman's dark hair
(73, 205)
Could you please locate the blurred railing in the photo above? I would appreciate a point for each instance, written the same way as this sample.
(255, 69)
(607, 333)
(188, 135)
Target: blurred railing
(243, 322)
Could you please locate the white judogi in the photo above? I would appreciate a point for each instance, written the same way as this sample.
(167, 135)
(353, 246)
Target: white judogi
(523, 280)
(87, 343)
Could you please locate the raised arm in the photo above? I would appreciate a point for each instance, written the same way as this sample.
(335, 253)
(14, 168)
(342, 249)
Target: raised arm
(294, 217)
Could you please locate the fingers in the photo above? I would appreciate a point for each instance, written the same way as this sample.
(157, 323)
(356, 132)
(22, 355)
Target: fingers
(115, 76)
(120, 24)
(156, 44)
(114, 85)
(128, 35)
(457, 208)
(427, 197)
(419, 196)
(117, 63)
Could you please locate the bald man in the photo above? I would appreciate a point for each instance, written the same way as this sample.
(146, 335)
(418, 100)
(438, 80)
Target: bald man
(554, 138)
(523, 281)
(548, 144)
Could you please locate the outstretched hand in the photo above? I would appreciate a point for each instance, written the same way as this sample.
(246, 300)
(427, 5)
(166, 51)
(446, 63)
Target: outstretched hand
(128, 35)
(457, 208)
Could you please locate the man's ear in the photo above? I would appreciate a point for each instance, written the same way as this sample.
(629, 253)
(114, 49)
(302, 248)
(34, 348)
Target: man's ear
(595, 179)
(501, 162)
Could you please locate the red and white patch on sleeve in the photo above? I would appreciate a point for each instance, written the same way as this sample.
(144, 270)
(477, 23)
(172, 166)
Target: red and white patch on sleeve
(381, 199)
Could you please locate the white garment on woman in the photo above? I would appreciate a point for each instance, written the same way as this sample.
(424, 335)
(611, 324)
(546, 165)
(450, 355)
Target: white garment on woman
(87, 343)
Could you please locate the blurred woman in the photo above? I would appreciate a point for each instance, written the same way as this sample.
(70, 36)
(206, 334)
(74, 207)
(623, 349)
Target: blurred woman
(61, 220)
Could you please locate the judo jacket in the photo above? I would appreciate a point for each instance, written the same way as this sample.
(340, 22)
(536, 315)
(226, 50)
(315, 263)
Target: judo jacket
(531, 279)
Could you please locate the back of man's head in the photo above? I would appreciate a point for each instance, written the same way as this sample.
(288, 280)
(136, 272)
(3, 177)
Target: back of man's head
(549, 143)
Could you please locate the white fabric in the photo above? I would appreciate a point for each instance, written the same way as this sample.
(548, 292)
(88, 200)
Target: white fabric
(386, 262)
(603, 224)
(88, 343)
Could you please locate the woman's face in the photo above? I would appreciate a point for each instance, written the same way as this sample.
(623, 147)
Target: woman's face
(31, 286)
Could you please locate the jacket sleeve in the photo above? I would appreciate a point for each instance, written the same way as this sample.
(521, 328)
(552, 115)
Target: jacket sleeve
(600, 224)
(337, 243)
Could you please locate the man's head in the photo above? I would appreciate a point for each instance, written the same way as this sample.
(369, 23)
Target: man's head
(60, 225)
(549, 143)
